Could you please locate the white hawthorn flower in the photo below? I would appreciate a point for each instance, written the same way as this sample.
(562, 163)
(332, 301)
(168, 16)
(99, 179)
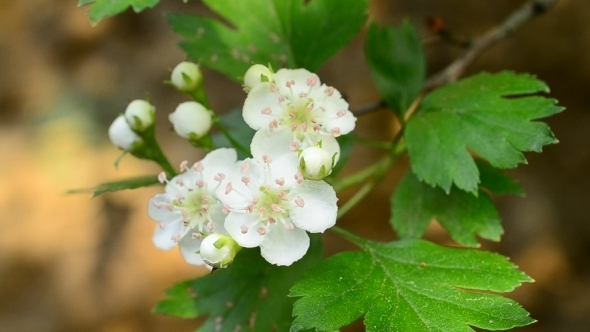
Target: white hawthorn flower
(296, 108)
(256, 74)
(186, 77)
(121, 134)
(191, 120)
(140, 115)
(315, 163)
(190, 207)
(271, 205)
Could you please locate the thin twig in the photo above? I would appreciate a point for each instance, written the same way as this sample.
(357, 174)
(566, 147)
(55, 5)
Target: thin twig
(525, 13)
(366, 109)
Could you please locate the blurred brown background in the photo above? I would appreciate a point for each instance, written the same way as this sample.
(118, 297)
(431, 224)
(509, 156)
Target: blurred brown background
(69, 263)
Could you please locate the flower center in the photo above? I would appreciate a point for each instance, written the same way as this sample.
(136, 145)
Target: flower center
(271, 206)
(195, 209)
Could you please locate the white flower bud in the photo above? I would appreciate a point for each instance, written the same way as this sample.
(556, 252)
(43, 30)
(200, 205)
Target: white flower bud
(121, 134)
(140, 115)
(218, 250)
(315, 163)
(255, 75)
(191, 120)
(186, 77)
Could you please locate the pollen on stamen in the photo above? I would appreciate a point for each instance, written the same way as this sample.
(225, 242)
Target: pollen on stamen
(261, 230)
(175, 237)
(245, 167)
(341, 113)
(219, 177)
(205, 207)
(293, 127)
(335, 132)
(200, 183)
(249, 208)
(276, 208)
(267, 159)
(304, 127)
(211, 227)
(329, 91)
(280, 182)
(317, 127)
(195, 236)
(184, 215)
(273, 87)
(273, 125)
(266, 111)
(312, 81)
(225, 209)
(245, 180)
(243, 229)
(294, 146)
(198, 166)
(162, 225)
(299, 201)
(281, 99)
(179, 182)
(289, 226)
(183, 166)
(299, 177)
(262, 212)
(272, 220)
(157, 204)
(228, 188)
(283, 196)
(170, 206)
(162, 177)
(302, 95)
(205, 198)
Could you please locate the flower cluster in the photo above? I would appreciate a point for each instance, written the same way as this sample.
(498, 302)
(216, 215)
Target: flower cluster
(220, 204)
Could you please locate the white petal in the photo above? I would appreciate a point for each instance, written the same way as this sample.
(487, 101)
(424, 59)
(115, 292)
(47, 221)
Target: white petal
(189, 247)
(283, 247)
(260, 98)
(233, 224)
(218, 161)
(273, 144)
(163, 237)
(157, 208)
(319, 206)
(344, 123)
(299, 76)
(284, 168)
(241, 195)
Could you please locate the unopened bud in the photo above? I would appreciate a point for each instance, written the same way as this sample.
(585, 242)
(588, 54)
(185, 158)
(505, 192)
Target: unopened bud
(187, 77)
(315, 163)
(256, 74)
(191, 120)
(121, 134)
(140, 115)
(218, 250)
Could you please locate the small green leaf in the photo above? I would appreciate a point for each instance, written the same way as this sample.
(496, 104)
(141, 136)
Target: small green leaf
(496, 181)
(397, 64)
(410, 286)
(346, 143)
(239, 130)
(133, 183)
(283, 33)
(108, 8)
(250, 293)
(415, 204)
(488, 114)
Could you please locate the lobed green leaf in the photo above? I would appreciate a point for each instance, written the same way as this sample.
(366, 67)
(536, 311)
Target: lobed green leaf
(487, 114)
(397, 64)
(283, 33)
(249, 295)
(410, 285)
(108, 8)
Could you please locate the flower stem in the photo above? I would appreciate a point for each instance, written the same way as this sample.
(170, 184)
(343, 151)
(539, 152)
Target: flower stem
(364, 174)
(349, 236)
(356, 198)
(229, 137)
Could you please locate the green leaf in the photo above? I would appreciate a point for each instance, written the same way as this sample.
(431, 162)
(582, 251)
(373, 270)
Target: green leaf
(496, 181)
(410, 286)
(108, 8)
(133, 183)
(283, 33)
(488, 114)
(397, 64)
(239, 130)
(415, 204)
(250, 293)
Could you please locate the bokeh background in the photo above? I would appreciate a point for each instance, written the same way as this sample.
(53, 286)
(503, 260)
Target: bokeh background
(71, 263)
